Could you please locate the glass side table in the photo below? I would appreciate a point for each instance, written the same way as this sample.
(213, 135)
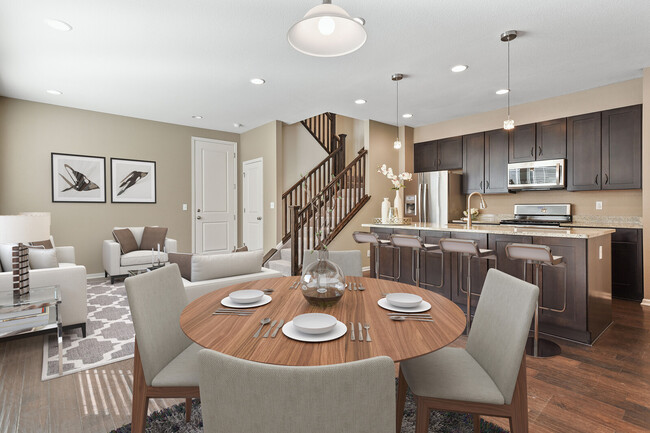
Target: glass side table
(37, 299)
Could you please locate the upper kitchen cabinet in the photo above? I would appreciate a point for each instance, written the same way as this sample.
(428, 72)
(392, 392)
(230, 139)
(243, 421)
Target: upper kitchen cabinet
(445, 154)
(621, 148)
(522, 144)
(496, 161)
(473, 163)
(551, 140)
(583, 152)
(425, 156)
(450, 153)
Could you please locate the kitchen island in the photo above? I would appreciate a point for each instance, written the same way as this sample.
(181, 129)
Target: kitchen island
(587, 257)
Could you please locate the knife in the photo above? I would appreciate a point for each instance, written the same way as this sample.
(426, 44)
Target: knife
(277, 329)
(351, 331)
(360, 332)
(266, 334)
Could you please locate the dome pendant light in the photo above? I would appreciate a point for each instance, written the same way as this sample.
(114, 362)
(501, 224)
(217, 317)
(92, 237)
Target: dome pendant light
(396, 78)
(507, 37)
(327, 31)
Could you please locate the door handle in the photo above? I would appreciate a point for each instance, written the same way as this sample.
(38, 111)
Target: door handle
(198, 210)
(596, 181)
(198, 217)
(259, 218)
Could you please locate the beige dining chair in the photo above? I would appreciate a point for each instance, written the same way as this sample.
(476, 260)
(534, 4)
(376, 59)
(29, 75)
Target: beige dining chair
(165, 364)
(354, 397)
(348, 261)
(488, 376)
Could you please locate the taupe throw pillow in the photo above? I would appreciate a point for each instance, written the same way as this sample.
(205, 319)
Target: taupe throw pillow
(152, 237)
(184, 262)
(125, 238)
(45, 244)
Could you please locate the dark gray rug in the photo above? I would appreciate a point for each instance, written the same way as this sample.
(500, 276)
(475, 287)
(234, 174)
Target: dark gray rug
(172, 419)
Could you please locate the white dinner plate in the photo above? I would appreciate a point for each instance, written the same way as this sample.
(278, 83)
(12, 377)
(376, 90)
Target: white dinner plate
(424, 306)
(290, 331)
(227, 302)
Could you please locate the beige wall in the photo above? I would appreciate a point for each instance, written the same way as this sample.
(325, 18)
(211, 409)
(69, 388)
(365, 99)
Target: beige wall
(265, 142)
(301, 152)
(30, 131)
(615, 203)
(646, 183)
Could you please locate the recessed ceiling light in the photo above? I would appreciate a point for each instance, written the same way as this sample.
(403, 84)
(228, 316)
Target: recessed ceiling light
(58, 25)
(54, 92)
(257, 81)
(359, 20)
(459, 68)
(502, 91)
(197, 117)
(360, 101)
(407, 115)
(237, 125)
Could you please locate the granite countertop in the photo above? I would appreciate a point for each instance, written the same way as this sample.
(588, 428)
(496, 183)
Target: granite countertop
(590, 221)
(477, 227)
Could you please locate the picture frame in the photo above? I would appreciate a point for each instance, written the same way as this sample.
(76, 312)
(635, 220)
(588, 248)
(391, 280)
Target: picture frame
(133, 181)
(78, 178)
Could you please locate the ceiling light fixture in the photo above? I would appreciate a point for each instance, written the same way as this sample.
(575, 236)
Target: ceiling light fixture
(360, 101)
(58, 25)
(197, 117)
(257, 81)
(459, 68)
(397, 77)
(237, 125)
(327, 30)
(407, 115)
(54, 92)
(502, 91)
(507, 37)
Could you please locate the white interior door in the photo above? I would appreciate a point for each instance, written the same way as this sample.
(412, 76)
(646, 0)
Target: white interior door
(215, 196)
(253, 197)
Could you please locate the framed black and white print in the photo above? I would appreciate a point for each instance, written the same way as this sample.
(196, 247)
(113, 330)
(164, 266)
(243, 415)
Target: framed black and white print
(133, 181)
(78, 178)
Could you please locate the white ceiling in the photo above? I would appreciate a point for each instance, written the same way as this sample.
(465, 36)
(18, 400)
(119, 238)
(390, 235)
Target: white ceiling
(167, 60)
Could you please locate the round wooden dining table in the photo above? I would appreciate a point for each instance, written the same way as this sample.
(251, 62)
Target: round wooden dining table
(233, 335)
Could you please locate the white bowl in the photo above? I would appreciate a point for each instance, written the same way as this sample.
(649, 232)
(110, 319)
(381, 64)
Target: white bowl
(314, 323)
(403, 300)
(246, 296)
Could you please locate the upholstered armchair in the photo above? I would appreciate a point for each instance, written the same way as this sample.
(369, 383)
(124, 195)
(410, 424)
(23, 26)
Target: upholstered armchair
(118, 264)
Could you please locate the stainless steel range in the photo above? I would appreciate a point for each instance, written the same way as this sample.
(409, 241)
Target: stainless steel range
(540, 215)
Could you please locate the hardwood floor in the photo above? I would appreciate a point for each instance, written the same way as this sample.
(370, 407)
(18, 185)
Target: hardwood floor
(604, 388)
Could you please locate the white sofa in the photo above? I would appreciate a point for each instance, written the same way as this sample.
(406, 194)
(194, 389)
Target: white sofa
(117, 264)
(70, 278)
(199, 288)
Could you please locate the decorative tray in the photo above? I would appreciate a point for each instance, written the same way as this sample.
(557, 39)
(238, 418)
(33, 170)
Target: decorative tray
(393, 221)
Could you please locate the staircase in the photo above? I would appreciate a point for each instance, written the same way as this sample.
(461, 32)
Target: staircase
(322, 202)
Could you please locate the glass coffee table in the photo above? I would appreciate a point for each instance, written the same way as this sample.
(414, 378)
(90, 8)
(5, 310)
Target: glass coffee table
(134, 272)
(38, 298)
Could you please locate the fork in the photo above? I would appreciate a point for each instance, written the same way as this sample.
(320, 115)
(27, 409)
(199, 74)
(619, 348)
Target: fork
(366, 326)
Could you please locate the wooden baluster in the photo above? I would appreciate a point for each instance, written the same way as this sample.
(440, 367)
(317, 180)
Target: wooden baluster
(294, 239)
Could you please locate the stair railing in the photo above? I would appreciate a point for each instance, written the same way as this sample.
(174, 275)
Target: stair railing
(323, 129)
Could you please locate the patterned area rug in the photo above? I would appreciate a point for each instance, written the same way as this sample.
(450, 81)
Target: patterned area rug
(110, 334)
(172, 419)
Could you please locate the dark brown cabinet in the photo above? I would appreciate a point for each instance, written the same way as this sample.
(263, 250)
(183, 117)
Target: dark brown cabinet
(432, 271)
(496, 162)
(445, 154)
(621, 148)
(551, 139)
(627, 264)
(583, 152)
(473, 163)
(522, 144)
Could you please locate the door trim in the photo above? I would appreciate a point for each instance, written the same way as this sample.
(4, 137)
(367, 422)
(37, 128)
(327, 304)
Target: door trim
(236, 176)
(253, 161)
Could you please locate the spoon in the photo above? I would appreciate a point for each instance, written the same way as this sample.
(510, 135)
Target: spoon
(361, 288)
(403, 318)
(263, 322)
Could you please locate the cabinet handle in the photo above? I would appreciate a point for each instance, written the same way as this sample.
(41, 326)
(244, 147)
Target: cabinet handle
(532, 151)
(487, 184)
(540, 151)
(606, 178)
(439, 162)
(596, 181)
(480, 185)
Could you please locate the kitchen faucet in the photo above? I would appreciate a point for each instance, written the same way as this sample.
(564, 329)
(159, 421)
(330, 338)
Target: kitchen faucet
(482, 205)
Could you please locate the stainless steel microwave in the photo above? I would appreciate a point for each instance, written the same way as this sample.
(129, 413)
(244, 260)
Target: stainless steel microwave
(536, 175)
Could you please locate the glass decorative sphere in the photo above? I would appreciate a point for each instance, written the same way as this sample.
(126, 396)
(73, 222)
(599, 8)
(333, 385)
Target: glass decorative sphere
(322, 282)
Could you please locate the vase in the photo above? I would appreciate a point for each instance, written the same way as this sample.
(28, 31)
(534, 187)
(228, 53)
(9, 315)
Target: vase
(322, 282)
(399, 203)
(385, 205)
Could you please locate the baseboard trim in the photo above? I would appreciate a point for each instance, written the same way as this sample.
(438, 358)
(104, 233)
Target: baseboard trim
(365, 269)
(95, 276)
(646, 302)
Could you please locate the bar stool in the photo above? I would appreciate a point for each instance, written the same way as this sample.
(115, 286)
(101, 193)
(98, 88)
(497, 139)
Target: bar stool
(417, 246)
(538, 256)
(374, 241)
(466, 248)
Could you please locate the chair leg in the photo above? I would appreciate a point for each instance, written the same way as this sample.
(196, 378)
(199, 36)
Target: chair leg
(188, 409)
(140, 399)
(519, 418)
(83, 330)
(402, 386)
(421, 416)
(477, 423)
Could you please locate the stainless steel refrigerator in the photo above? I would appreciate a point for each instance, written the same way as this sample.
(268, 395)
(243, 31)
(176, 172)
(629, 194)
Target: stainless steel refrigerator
(439, 199)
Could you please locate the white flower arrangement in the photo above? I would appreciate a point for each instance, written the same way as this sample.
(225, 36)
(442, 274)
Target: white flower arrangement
(397, 180)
